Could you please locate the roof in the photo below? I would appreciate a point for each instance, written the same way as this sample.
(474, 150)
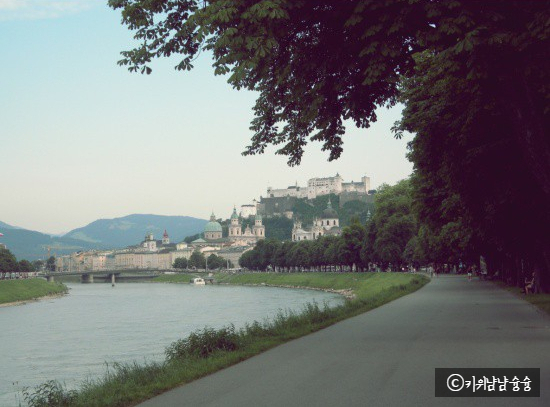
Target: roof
(234, 214)
(329, 213)
(213, 226)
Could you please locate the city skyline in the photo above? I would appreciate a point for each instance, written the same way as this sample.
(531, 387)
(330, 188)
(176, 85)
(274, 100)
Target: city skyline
(83, 139)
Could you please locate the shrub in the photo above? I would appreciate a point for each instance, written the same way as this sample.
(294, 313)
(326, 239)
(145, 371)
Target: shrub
(49, 394)
(204, 342)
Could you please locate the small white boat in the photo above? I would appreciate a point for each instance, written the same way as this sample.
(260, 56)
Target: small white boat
(197, 281)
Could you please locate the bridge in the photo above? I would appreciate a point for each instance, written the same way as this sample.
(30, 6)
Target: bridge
(103, 275)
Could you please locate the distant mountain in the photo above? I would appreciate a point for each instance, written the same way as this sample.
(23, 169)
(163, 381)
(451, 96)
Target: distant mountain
(31, 245)
(131, 229)
(6, 226)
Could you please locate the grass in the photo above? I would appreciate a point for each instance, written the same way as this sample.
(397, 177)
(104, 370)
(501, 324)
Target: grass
(541, 300)
(30, 289)
(208, 350)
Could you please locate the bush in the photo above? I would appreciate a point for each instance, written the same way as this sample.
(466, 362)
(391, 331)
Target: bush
(203, 343)
(49, 394)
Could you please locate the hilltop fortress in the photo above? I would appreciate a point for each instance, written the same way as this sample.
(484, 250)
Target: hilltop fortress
(280, 202)
(322, 186)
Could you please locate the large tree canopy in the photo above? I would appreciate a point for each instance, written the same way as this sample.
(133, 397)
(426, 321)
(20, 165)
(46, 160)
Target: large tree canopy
(317, 63)
(473, 76)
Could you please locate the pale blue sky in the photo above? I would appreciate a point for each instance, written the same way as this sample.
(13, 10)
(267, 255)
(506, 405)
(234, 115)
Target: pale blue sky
(82, 138)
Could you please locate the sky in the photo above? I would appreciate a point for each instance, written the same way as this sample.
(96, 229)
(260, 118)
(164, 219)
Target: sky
(82, 139)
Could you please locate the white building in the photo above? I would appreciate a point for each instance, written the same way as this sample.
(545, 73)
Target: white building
(322, 186)
(327, 224)
(249, 209)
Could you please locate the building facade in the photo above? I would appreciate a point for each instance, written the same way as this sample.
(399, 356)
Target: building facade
(321, 186)
(328, 224)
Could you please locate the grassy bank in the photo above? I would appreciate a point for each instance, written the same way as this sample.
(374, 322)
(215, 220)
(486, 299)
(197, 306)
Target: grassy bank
(541, 301)
(30, 289)
(208, 350)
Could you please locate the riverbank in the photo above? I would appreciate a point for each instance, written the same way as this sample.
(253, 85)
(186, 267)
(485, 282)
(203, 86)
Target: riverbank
(15, 292)
(208, 350)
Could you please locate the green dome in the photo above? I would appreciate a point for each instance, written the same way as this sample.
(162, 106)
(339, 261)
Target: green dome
(234, 214)
(213, 225)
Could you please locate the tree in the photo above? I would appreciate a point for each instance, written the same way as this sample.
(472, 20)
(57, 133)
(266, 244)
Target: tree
(8, 262)
(353, 237)
(465, 203)
(317, 63)
(216, 262)
(197, 260)
(393, 223)
(50, 264)
(180, 263)
(25, 266)
(37, 264)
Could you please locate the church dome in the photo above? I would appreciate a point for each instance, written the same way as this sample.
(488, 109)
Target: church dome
(234, 214)
(329, 213)
(213, 225)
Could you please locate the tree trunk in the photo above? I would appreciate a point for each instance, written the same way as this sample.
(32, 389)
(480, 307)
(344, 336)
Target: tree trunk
(528, 129)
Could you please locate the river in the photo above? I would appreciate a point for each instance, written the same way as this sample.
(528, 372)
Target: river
(75, 336)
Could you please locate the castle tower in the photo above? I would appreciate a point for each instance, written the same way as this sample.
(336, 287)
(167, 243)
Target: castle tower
(165, 238)
(235, 226)
(259, 228)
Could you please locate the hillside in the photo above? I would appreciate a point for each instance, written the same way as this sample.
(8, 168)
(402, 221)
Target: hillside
(131, 229)
(31, 245)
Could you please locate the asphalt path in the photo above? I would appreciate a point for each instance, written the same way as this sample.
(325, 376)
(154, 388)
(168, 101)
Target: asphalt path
(388, 356)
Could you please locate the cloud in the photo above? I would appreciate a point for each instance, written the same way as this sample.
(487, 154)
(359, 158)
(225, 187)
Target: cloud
(42, 9)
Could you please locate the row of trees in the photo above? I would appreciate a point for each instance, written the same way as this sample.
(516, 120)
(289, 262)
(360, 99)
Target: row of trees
(394, 235)
(9, 263)
(200, 261)
(389, 237)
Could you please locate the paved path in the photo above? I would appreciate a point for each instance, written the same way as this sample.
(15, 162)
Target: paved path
(386, 357)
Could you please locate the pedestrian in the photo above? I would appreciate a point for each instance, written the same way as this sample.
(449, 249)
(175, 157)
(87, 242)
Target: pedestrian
(470, 273)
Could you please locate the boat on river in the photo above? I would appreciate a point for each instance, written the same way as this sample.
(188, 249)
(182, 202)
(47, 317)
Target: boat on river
(197, 281)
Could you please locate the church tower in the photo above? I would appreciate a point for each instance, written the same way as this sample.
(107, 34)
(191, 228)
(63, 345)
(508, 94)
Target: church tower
(259, 228)
(235, 226)
(165, 238)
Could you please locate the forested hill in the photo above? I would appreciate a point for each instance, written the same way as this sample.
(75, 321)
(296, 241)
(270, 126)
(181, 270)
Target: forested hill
(280, 228)
(31, 245)
(307, 210)
(131, 229)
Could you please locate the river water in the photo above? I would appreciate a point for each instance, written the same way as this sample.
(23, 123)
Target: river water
(74, 337)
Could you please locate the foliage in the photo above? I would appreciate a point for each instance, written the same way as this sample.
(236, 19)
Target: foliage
(277, 227)
(29, 289)
(217, 262)
(393, 223)
(180, 263)
(51, 393)
(189, 239)
(50, 264)
(474, 191)
(203, 343)
(8, 262)
(197, 260)
(25, 266)
(473, 77)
